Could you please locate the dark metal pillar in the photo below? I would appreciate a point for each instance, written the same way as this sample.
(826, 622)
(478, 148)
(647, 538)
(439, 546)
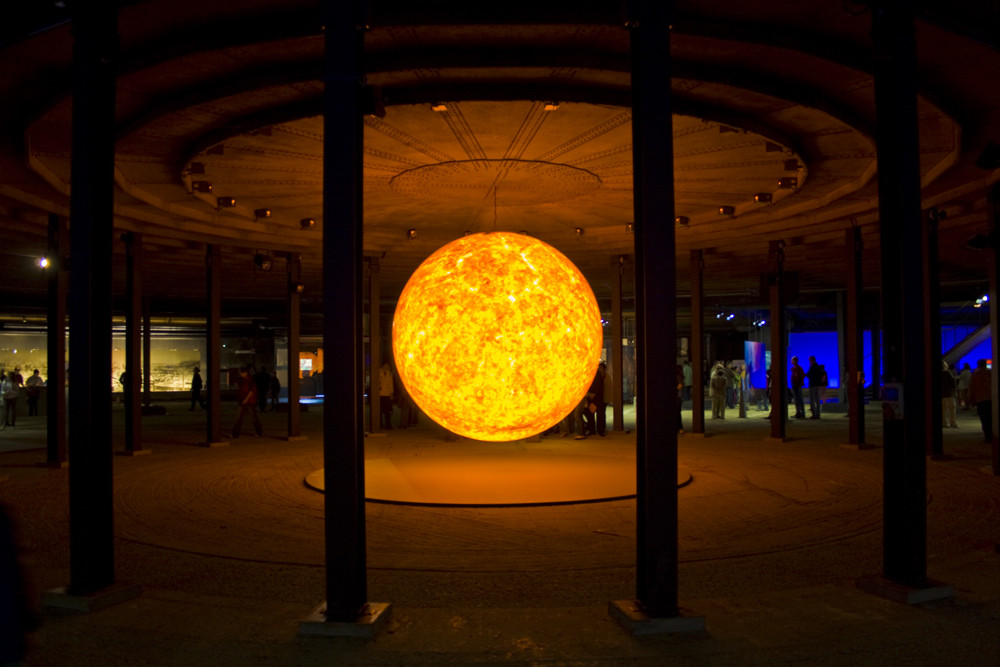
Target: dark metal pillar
(617, 365)
(343, 341)
(374, 343)
(95, 42)
(55, 382)
(897, 145)
(876, 368)
(779, 340)
(147, 363)
(930, 286)
(994, 269)
(294, 333)
(213, 346)
(656, 309)
(697, 341)
(854, 338)
(133, 341)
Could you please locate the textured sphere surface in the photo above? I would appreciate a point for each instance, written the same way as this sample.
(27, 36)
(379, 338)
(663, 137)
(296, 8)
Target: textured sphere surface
(497, 336)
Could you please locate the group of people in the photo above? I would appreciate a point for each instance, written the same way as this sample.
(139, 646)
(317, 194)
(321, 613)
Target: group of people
(253, 389)
(723, 384)
(818, 383)
(10, 389)
(970, 388)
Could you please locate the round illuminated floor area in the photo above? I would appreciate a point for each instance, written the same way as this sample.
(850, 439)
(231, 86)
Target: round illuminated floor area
(472, 473)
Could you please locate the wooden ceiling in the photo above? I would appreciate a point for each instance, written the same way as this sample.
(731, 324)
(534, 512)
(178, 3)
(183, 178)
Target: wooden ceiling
(514, 119)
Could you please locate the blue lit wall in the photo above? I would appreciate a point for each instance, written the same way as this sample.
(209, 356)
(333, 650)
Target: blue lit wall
(820, 344)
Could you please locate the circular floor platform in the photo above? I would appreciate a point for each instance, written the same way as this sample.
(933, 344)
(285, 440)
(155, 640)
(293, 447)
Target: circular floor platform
(490, 477)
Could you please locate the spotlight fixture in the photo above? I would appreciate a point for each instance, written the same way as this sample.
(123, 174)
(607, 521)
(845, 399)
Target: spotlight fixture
(787, 182)
(262, 261)
(296, 288)
(411, 234)
(439, 106)
(727, 210)
(201, 186)
(226, 202)
(307, 223)
(551, 106)
(579, 231)
(682, 220)
(762, 197)
(42, 262)
(629, 227)
(731, 316)
(261, 213)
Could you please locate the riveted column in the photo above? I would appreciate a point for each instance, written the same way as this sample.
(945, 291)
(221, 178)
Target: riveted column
(697, 341)
(294, 333)
(55, 382)
(617, 365)
(779, 340)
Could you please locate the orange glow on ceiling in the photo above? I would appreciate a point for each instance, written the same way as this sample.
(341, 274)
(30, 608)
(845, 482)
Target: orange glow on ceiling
(497, 336)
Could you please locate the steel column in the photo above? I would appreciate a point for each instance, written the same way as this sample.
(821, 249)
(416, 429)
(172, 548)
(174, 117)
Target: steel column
(617, 365)
(993, 223)
(779, 341)
(930, 287)
(897, 144)
(294, 333)
(134, 342)
(343, 340)
(854, 337)
(697, 338)
(213, 344)
(55, 382)
(374, 343)
(656, 309)
(95, 42)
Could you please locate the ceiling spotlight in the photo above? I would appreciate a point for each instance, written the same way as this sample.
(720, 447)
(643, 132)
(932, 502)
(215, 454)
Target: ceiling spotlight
(262, 261)
(201, 186)
(42, 262)
(307, 223)
(629, 227)
(579, 231)
(682, 220)
(439, 106)
(762, 197)
(786, 182)
(261, 213)
(551, 106)
(226, 202)
(297, 288)
(411, 234)
(727, 210)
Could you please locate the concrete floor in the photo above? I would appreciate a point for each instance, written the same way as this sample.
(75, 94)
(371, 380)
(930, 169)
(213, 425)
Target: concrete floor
(227, 545)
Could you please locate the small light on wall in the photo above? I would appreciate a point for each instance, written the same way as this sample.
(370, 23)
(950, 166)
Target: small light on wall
(201, 186)
(439, 106)
(262, 261)
(762, 197)
(42, 262)
(787, 182)
(297, 288)
(307, 223)
(682, 220)
(630, 228)
(727, 210)
(411, 234)
(262, 213)
(551, 106)
(578, 231)
(226, 202)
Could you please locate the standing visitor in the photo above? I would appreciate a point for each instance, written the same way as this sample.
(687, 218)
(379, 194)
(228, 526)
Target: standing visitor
(947, 397)
(196, 386)
(815, 377)
(717, 388)
(798, 380)
(246, 395)
(386, 392)
(10, 386)
(962, 392)
(33, 387)
(981, 395)
(688, 380)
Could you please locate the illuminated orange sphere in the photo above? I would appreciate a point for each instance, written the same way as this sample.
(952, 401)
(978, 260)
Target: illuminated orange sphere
(497, 336)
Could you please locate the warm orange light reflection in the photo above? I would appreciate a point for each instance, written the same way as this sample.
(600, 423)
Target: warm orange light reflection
(497, 336)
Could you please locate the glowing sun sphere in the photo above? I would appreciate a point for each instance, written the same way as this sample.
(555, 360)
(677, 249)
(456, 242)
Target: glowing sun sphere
(497, 336)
